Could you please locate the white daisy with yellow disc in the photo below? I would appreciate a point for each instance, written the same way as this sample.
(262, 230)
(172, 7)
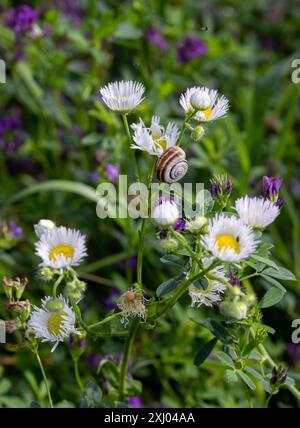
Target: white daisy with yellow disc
(61, 248)
(54, 321)
(216, 107)
(156, 139)
(228, 239)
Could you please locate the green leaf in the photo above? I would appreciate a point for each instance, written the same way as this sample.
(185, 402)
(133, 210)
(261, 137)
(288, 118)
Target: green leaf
(216, 328)
(57, 185)
(91, 139)
(225, 359)
(231, 376)
(171, 259)
(258, 376)
(264, 260)
(273, 282)
(247, 380)
(204, 351)
(169, 285)
(271, 298)
(91, 395)
(281, 273)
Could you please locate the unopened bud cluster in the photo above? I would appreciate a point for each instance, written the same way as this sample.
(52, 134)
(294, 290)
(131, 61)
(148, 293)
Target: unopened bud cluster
(75, 289)
(221, 187)
(236, 304)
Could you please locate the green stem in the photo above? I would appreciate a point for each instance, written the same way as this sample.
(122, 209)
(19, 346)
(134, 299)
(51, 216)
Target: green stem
(185, 245)
(56, 284)
(125, 359)
(184, 126)
(77, 374)
(136, 165)
(143, 230)
(45, 378)
(271, 362)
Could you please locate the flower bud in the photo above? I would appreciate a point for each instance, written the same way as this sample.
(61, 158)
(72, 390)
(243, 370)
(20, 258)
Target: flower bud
(55, 305)
(48, 274)
(200, 100)
(12, 325)
(169, 245)
(165, 212)
(43, 227)
(197, 134)
(20, 308)
(236, 310)
(196, 224)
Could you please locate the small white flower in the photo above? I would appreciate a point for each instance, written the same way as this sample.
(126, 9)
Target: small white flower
(123, 96)
(200, 100)
(165, 211)
(218, 105)
(61, 248)
(213, 293)
(156, 139)
(43, 226)
(229, 239)
(52, 326)
(256, 212)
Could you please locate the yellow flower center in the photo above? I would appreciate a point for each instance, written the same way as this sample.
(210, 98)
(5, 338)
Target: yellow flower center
(207, 113)
(160, 141)
(55, 322)
(65, 250)
(227, 241)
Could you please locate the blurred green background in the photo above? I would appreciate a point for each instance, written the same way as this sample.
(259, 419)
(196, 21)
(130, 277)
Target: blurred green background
(53, 127)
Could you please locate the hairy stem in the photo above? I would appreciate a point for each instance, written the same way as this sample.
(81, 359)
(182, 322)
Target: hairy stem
(125, 359)
(45, 378)
(77, 374)
(133, 155)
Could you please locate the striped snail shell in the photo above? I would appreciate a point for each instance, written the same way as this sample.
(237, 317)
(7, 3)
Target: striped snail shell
(172, 165)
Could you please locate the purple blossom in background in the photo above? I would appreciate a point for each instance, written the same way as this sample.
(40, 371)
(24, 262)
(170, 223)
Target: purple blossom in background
(109, 302)
(155, 38)
(179, 225)
(12, 136)
(271, 187)
(78, 132)
(132, 264)
(95, 360)
(93, 176)
(268, 44)
(112, 172)
(293, 351)
(189, 48)
(72, 10)
(135, 402)
(21, 19)
(15, 230)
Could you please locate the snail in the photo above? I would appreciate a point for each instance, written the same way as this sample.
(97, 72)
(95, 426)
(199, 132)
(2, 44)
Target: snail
(172, 165)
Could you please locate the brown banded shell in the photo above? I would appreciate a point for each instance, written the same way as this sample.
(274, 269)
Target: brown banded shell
(172, 165)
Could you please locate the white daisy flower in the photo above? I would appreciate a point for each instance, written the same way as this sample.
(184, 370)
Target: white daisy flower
(213, 293)
(123, 96)
(165, 211)
(229, 239)
(43, 226)
(256, 212)
(53, 325)
(61, 248)
(218, 105)
(156, 139)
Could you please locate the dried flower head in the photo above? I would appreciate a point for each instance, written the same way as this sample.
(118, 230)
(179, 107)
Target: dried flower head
(132, 304)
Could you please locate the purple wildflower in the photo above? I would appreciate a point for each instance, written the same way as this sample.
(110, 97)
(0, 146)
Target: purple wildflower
(112, 172)
(93, 176)
(135, 402)
(21, 19)
(12, 136)
(179, 225)
(271, 187)
(155, 38)
(213, 189)
(189, 48)
(233, 280)
(280, 202)
(293, 351)
(15, 230)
